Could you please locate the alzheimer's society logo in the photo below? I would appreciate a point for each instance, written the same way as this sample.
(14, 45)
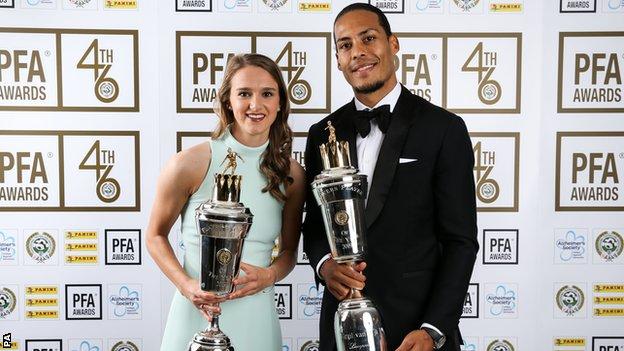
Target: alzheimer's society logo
(310, 299)
(86, 346)
(502, 300)
(571, 246)
(124, 302)
(8, 247)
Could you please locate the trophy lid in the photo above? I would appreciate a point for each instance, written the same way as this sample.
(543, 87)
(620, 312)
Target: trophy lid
(335, 154)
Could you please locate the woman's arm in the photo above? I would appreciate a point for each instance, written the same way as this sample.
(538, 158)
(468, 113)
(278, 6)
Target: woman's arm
(257, 278)
(180, 178)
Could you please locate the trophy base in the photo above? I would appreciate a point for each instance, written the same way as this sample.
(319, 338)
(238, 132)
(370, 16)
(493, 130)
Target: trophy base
(358, 327)
(210, 340)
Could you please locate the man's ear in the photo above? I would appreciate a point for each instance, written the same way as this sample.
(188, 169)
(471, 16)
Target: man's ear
(338, 62)
(394, 43)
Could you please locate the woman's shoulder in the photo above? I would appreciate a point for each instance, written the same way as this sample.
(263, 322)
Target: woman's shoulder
(189, 166)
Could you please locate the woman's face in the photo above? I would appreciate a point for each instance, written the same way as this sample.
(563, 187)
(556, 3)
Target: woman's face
(254, 101)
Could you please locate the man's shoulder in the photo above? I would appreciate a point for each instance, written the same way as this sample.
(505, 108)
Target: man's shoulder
(433, 114)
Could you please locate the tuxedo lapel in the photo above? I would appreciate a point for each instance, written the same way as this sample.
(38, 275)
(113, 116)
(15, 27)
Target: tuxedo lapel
(388, 158)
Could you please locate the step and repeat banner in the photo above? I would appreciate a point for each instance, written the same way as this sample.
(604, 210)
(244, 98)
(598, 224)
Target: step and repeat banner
(96, 95)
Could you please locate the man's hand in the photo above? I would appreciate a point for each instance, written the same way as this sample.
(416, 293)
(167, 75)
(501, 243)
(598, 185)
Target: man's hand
(340, 278)
(418, 340)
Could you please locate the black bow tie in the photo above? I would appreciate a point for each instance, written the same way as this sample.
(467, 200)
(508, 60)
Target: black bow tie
(380, 114)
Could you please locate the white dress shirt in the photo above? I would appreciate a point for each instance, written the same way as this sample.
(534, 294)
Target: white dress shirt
(367, 153)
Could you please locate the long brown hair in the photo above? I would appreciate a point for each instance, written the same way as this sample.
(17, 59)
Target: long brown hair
(275, 164)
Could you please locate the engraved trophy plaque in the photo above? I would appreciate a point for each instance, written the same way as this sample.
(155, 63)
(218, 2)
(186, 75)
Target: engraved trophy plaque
(222, 223)
(340, 191)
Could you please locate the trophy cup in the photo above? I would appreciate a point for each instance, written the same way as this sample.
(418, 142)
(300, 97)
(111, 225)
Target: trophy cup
(340, 191)
(222, 223)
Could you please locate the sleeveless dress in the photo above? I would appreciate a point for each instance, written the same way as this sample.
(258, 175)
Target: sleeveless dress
(251, 322)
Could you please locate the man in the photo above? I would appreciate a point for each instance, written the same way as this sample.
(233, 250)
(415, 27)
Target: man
(420, 211)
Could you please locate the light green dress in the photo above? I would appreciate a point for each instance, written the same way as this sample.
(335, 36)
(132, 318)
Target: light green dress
(251, 322)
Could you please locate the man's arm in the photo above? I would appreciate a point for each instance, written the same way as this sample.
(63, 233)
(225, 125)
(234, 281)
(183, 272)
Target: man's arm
(456, 220)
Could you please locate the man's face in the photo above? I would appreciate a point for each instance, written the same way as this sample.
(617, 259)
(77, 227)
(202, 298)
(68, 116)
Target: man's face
(364, 52)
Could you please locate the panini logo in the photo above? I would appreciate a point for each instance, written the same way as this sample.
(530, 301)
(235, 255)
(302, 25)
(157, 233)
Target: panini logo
(608, 300)
(123, 246)
(590, 72)
(7, 343)
(83, 301)
(496, 171)
(121, 4)
(471, 302)
(101, 75)
(283, 300)
(489, 62)
(569, 344)
(303, 58)
(393, 6)
(589, 169)
(44, 345)
(572, 6)
(103, 168)
(81, 247)
(194, 5)
(506, 7)
(41, 290)
(315, 6)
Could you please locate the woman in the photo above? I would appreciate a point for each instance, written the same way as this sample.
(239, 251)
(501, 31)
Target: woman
(253, 112)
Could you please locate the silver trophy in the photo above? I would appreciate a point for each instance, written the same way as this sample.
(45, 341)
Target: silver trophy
(222, 223)
(340, 191)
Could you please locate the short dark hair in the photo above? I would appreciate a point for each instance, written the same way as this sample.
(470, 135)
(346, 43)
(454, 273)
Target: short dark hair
(383, 20)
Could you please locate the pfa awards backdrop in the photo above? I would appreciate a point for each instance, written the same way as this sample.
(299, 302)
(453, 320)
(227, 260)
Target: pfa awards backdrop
(95, 95)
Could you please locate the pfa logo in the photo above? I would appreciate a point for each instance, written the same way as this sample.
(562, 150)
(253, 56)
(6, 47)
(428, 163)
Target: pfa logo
(123, 246)
(44, 345)
(310, 300)
(572, 6)
(569, 300)
(303, 58)
(97, 71)
(496, 171)
(589, 168)
(8, 303)
(501, 300)
(471, 302)
(419, 65)
(484, 73)
(283, 300)
(500, 246)
(607, 343)
(83, 301)
(571, 245)
(608, 246)
(103, 169)
(8, 247)
(590, 72)
(124, 301)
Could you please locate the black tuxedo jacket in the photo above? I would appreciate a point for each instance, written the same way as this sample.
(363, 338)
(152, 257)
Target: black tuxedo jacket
(420, 216)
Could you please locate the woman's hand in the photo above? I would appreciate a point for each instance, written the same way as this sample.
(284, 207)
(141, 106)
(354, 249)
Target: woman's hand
(203, 300)
(255, 279)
